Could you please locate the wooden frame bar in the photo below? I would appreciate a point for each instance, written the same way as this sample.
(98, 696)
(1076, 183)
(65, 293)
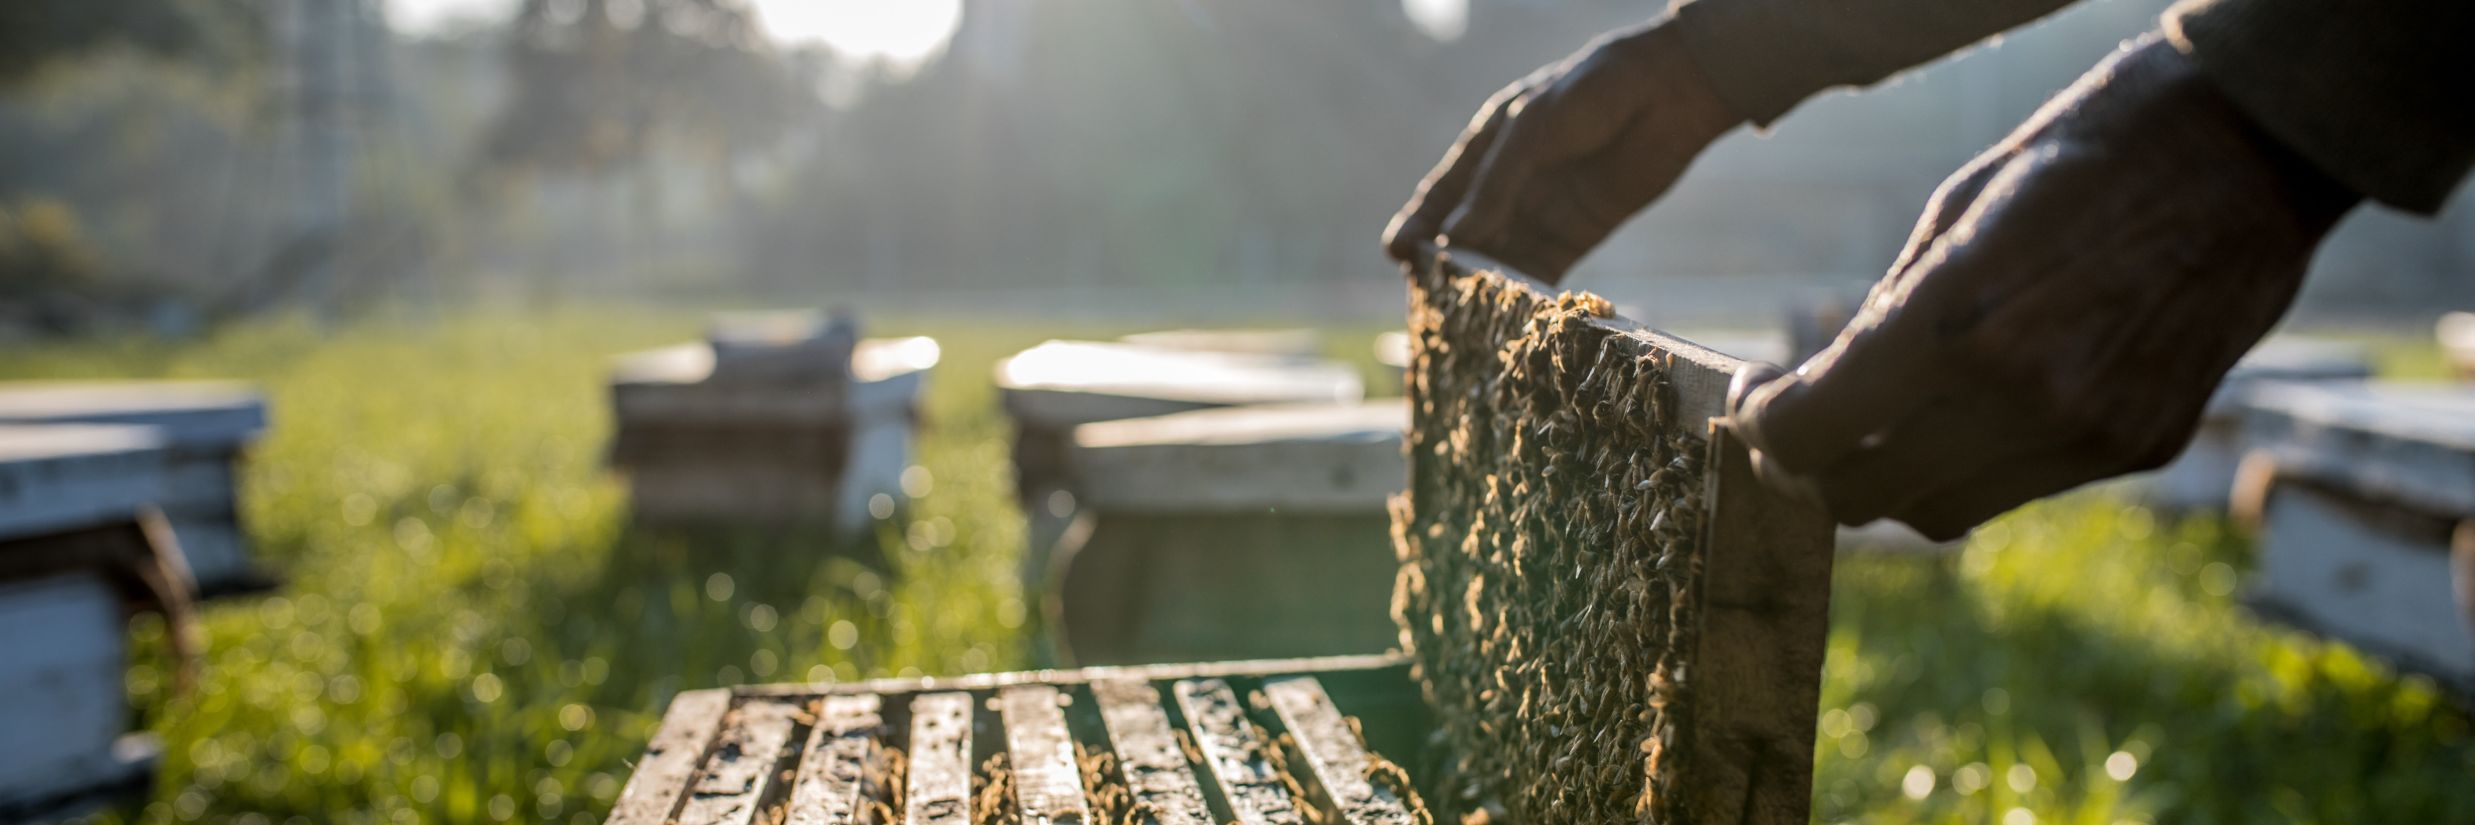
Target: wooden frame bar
(1154, 766)
(1048, 784)
(939, 791)
(1235, 753)
(833, 771)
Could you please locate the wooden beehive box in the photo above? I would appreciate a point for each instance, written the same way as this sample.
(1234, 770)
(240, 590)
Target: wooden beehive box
(1050, 389)
(747, 429)
(1301, 344)
(64, 739)
(1203, 523)
(2203, 475)
(1714, 722)
(2360, 495)
(207, 427)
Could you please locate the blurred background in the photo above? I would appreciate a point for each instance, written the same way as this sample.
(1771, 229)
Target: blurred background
(178, 164)
(424, 226)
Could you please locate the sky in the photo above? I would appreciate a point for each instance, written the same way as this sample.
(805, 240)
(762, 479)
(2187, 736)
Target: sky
(897, 31)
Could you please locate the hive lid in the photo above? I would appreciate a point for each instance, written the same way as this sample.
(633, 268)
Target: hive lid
(2406, 442)
(62, 476)
(190, 413)
(1285, 343)
(1063, 383)
(874, 359)
(1292, 457)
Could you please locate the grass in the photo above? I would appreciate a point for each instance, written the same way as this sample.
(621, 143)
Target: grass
(470, 632)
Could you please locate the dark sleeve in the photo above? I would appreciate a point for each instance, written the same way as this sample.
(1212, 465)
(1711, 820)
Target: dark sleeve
(1765, 56)
(2379, 93)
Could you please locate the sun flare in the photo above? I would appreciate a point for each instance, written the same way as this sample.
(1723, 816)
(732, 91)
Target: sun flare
(895, 31)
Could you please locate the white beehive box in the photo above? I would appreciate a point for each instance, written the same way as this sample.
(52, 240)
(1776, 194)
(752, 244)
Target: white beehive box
(208, 426)
(1304, 344)
(63, 649)
(1202, 524)
(2357, 491)
(742, 429)
(2200, 478)
(1050, 389)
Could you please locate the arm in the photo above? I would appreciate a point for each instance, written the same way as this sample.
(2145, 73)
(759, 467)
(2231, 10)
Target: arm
(2378, 93)
(1556, 161)
(1765, 56)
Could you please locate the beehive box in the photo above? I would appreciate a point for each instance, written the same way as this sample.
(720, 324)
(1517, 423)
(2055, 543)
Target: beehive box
(64, 741)
(2360, 495)
(1302, 344)
(1636, 637)
(1204, 523)
(207, 427)
(1052, 388)
(746, 429)
(2203, 475)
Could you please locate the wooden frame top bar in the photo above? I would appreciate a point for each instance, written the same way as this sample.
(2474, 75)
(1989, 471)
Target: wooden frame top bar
(1700, 374)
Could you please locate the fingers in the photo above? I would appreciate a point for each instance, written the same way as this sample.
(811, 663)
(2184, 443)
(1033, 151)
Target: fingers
(1422, 219)
(1879, 370)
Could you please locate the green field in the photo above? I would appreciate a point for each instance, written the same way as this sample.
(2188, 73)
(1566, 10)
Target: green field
(470, 633)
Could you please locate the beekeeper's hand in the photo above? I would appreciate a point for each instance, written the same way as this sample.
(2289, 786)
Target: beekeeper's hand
(2064, 309)
(1554, 162)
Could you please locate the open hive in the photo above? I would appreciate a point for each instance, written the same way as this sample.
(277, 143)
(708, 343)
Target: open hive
(1609, 622)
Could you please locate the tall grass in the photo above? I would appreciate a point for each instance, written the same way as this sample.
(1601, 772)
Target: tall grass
(470, 632)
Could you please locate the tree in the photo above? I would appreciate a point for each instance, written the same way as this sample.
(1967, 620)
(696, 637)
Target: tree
(598, 83)
(34, 34)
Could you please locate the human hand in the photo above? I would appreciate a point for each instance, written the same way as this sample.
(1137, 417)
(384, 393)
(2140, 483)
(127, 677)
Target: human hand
(1555, 162)
(2064, 309)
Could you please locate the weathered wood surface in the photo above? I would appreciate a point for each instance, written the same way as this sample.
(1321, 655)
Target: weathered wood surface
(208, 416)
(653, 792)
(1700, 374)
(2412, 444)
(743, 766)
(2203, 475)
(1339, 762)
(1205, 586)
(1155, 768)
(205, 426)
(1383, 668)
(1318, 458)
(939, 786)
(833, 770)
(2367, 572)
(63, 650)
(1766, 617)
(804, 448)
(1047, 782)
(1236, 754)
(1060, 384)
(56, 477)
(674, 385)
